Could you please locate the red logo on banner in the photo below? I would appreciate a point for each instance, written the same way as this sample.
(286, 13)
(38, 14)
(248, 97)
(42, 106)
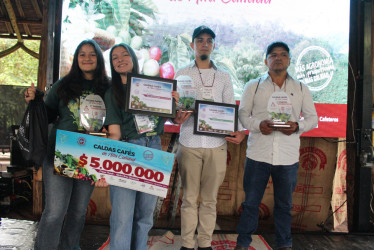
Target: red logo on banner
(310, 157)
(81, 141)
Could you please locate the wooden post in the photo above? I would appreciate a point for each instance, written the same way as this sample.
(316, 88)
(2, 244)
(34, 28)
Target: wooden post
(47, 55)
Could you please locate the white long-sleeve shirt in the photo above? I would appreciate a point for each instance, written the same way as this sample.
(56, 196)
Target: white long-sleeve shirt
(276, 148)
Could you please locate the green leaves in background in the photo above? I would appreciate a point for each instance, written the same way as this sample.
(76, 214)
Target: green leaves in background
(243, 62)
(178, 51)
(124, 18)
(18, 68)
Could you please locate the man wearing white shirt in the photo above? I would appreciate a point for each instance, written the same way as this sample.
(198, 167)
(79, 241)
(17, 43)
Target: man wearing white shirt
(273, 145)
(202, 159)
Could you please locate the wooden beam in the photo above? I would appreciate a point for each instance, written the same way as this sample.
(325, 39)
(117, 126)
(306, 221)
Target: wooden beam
(22, 14)
(9, 28)
(27, 30)
(37, 193)
(17, 46)
(23, 37)
(13, 19)
(10, 50)
(29, 51)
(20, 43)
(19, 8)
(37, 9)
(23, 21)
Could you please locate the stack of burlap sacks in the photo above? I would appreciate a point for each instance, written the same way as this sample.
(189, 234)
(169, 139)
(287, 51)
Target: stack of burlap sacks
(320, 187)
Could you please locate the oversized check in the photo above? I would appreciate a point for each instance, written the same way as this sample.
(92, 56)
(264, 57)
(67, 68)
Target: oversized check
(122, 164)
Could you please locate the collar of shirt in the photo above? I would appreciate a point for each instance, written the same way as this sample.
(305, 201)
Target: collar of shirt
(193, 65)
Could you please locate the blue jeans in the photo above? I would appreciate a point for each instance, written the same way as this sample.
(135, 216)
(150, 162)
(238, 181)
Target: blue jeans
(132, 211)
(256, 177)
(64, 197)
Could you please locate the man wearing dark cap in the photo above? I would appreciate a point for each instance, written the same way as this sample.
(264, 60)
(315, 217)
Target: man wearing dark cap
(270, 109)
(201, 158)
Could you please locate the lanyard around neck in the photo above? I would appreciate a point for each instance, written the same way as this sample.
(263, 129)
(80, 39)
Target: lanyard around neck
(201, 79)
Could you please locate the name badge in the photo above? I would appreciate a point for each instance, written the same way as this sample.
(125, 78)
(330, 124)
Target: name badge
(208, 94)
(144, 124)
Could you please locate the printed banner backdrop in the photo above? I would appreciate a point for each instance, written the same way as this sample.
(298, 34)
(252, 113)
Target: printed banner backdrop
(160, 32)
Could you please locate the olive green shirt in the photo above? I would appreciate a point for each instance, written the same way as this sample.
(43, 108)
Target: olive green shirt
(67, 115)
(116, 115)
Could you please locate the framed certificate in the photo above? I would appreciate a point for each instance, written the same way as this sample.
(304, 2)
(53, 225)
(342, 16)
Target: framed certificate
(217, 119)
(150, 95)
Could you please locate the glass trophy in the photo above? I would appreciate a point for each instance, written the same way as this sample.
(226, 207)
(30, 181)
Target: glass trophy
(187, 93)
(280, 109)
(92, 114)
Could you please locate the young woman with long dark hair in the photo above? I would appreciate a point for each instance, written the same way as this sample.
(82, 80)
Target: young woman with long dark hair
(66, 199)
(132, 211)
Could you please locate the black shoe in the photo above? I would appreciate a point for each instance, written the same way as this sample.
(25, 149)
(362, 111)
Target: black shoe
(204, 248)
(186, 248)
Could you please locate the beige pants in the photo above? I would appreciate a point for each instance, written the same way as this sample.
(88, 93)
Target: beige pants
(202, 171)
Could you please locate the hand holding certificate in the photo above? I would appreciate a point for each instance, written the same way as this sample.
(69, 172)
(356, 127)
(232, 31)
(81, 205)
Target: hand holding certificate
(213, 118)
(150, 95)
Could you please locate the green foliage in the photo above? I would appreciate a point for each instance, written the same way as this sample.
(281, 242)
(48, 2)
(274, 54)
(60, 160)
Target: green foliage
(127, 16)
(93, 177)
(243, 61)
(283, 117)
(58, 154)
(178, 51)
(83, 171)
(186, 102)
(18, 68)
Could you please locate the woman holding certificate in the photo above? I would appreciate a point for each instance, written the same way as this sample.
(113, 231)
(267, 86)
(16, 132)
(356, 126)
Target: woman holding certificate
(132, 211)
(66, 199)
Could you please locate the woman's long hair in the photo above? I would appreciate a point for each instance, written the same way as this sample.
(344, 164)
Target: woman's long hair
(117, 85)
(71, 85)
